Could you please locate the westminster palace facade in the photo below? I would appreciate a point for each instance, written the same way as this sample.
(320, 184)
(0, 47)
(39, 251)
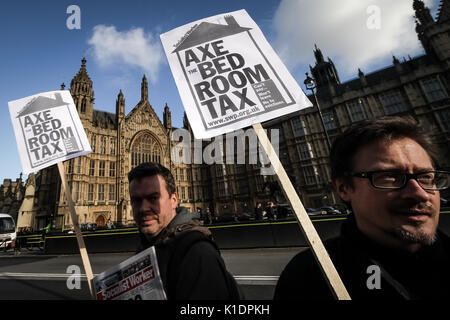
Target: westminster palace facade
(417, 87)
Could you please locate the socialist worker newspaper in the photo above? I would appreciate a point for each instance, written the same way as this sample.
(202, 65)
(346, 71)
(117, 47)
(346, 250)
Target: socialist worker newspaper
(137, 278)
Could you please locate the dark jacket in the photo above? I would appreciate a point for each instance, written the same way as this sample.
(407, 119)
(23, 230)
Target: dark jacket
(422, 275)
(189, 261)
(270, 212)
(258, 213)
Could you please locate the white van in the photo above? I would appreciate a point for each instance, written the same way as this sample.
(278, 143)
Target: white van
(7, 231)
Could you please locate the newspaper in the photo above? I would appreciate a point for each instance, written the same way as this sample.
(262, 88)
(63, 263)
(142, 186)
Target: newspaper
(137, 278)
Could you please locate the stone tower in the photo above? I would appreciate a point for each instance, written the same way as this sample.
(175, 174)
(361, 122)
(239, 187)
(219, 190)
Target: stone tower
(144, 89)
(82, 93)
(434, 35)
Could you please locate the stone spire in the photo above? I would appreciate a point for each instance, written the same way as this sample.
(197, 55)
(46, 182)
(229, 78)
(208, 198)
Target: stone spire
(82, 76)
(167, 117)
(423, 14)
(318, 54)
(432, 41)
(362, 77)
(120, 105)
(144, 89)
(186, 124)
(82, 92)
(324, 72)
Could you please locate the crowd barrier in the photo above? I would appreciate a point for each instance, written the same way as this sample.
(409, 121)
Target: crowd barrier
(252, 234)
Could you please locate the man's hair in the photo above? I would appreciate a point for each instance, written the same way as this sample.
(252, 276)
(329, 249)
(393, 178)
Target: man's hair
(387, 129)
(149, 169)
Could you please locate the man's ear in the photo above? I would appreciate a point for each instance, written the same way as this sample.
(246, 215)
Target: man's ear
(174, 199)
(343, 188)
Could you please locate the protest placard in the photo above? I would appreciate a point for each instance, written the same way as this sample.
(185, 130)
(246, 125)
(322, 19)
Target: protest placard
(228, 75)
(48, 131)
(229, 78)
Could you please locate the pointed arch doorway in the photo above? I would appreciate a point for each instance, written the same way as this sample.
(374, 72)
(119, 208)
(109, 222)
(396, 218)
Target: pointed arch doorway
(100, 221)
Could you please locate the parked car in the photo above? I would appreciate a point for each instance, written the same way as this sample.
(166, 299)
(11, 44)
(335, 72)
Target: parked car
(342, 207)
(246, 216)
(232, 217)
(330, 210)
(91, 226)
(315, 212)
(8, 233)
(284, 211)
(445, 203)
(226, 217)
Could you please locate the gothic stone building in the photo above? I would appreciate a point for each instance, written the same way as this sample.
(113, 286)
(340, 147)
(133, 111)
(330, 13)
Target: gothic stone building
(11, 196)
(99, 180)
(119, 142)
(417, 87)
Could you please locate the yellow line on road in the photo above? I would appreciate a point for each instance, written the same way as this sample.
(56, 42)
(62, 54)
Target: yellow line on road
(91, 235)
(135, 230)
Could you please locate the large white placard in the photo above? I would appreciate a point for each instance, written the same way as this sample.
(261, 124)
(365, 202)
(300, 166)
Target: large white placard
(48, 129)
(228, 75)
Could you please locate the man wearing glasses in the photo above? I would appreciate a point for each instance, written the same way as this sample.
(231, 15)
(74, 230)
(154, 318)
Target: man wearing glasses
(389, 248)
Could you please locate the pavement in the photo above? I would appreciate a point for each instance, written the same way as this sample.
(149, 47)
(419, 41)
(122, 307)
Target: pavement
(36, 276)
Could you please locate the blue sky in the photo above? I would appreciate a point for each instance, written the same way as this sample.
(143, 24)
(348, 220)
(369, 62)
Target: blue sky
(39, 52)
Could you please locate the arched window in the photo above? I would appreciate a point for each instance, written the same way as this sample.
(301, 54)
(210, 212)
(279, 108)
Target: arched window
(83, 105)
(145, 149)
(156, 153)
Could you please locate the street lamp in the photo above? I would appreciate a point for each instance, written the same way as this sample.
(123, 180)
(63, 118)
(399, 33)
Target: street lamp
(310, 84)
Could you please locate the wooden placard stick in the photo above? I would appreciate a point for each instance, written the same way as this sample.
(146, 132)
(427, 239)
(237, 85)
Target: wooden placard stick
(73, 214)
(326, 265)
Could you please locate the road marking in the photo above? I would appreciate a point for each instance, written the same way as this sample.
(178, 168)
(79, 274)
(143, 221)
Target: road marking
(38, 276)
(257, 280)
(244, 280)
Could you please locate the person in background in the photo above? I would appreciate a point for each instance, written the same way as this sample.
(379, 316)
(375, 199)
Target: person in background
(258, 211)
(271, 213)
(208, 216)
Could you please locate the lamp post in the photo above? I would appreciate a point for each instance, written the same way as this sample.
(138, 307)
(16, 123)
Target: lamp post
(310, 84)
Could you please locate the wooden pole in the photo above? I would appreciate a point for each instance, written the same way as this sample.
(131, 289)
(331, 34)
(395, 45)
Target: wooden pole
(73, 214)
(326, 265)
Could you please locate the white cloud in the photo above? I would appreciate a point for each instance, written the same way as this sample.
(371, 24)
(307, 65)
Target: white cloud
(339, 28)
(133, 47)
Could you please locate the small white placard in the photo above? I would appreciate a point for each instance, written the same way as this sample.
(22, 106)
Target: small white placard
(48, 129)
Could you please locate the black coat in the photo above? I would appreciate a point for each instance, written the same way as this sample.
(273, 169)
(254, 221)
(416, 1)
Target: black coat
(422, 275)
(258, 213)
(190, 263)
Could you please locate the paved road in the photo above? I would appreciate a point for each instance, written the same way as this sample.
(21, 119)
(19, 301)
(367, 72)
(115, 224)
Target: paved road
(34, 276)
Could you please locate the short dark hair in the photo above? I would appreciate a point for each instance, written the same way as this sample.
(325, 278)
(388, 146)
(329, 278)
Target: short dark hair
(149, 169)
(386, 128)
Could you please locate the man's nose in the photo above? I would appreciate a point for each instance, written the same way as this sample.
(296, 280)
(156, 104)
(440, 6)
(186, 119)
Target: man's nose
(145, 206)
(413, 190)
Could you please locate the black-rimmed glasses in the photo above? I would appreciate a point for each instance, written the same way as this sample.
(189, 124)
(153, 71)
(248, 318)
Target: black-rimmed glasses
(429, 180)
